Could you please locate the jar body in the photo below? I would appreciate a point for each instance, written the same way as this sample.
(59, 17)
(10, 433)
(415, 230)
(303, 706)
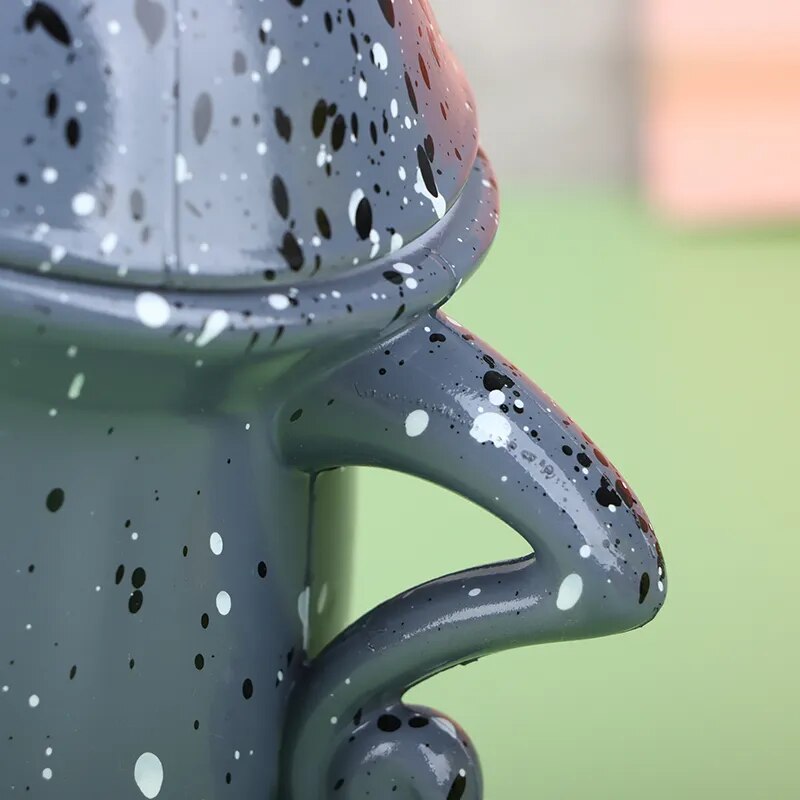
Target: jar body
(162, 574)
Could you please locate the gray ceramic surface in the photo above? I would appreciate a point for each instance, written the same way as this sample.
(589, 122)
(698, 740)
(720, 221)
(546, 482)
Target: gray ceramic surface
(225, 232)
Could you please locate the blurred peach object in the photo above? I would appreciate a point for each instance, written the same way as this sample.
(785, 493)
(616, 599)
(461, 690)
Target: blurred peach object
(722, 122)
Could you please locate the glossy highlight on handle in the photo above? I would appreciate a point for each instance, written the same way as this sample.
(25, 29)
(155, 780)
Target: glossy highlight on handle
(436, 402)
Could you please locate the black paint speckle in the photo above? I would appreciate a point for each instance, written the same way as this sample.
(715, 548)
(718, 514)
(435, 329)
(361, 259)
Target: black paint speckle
(364, 218)
(492, 379)
(50, 20)
(138, 578)
(644, 587)
(55, 499)
(387, 6)
(427, 171)
(72, 132)
(283, 124)
(292, 252)
(135, 602)
(607, 496)
(458, 788)
(280, 197)
(202, 117)
(389, 723)
(323, 224)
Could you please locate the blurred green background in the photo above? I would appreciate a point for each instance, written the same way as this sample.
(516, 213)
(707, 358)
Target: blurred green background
(678, 353)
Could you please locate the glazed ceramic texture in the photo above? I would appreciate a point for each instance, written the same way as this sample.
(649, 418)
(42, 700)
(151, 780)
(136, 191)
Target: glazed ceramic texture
(156, 554)
(311, 137)
(436, 402)
(225, 232)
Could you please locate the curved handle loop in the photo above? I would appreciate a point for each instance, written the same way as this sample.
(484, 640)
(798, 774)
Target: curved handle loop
(437, 403)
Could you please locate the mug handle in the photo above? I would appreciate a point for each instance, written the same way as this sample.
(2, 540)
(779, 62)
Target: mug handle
(436, 402)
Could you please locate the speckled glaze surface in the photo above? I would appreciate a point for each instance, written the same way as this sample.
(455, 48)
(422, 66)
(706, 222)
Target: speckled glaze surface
(226, 230)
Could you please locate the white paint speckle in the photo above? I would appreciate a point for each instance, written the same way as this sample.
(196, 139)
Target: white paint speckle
(411, 283)
(474, 592)
(39, 232)
(362, 87)
(274, 57)
(215, 543)
(352, 206)
(224, 603)
(303, 600)
(417, 422)
(280, 302)
(47, 773)
(375, 238)
(49, 174)
(393, 108)
(182, 173)
(496, 397)
(401, 171)
(266, 25)
(585, 551)
(569, 592)
(261, 148)
(403, 269)
(661, 586)
(396, 242)
(438, 202)
(33, 700)
(491, 427)
(152, 309)
(114, 27)
(83, 204)
(108, 243)
(380, 56)
(334, 720)
(148, 772)
(76, 386)
(215, 324)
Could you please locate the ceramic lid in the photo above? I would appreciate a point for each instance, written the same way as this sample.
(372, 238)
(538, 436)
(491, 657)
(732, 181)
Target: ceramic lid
(227, 145)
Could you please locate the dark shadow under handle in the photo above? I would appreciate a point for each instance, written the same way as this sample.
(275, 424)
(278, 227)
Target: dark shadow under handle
(437, 403)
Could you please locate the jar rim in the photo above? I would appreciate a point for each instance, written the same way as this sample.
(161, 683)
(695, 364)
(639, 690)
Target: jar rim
(373, 300)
